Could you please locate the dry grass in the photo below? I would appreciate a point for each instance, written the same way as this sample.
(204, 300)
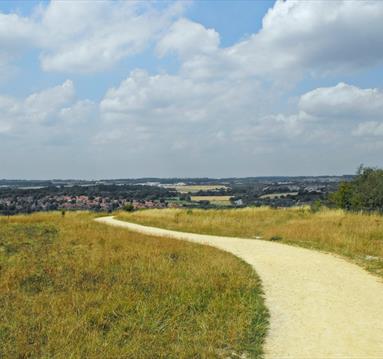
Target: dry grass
(354, 235)
(73, 288)
(213, 199)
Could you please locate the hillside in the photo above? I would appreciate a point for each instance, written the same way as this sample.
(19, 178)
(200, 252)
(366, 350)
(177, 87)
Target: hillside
(321, 306)
(353, 235)
(70, 287)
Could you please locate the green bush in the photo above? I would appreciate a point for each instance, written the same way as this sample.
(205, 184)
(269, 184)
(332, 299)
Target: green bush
(316, 206)
(363, 193)
(128, 207)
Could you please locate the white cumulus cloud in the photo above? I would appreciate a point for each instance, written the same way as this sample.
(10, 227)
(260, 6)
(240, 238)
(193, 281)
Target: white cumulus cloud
(343, 101)
(297, 38)
(340, 111)
(221, 103)
(318, 36)
(188, 38)
(84, 36)
(52, 111)
(369, 128)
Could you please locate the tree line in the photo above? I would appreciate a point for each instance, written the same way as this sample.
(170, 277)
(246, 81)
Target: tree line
(363, 193)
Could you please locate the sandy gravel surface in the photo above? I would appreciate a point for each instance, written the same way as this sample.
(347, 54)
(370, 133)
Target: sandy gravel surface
(321, 306)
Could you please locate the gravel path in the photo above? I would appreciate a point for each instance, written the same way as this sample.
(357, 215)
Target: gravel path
(321, 306)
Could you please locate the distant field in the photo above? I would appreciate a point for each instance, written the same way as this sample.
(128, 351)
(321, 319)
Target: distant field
(73, 288)
(278, 195)
(195, 188)
(212, 199)
(356, 236)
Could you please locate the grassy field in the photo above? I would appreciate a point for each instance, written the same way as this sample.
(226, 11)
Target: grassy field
(73, 288)
(196, 188)
(353, 235)
(223, 200)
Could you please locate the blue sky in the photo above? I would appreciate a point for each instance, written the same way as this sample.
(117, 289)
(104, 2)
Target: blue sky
(204, 88)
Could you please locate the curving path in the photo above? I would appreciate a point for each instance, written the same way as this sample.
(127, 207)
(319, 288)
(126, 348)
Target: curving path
(321, 306)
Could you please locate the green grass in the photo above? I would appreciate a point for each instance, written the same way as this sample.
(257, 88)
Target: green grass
(73, 288)
(353, 235)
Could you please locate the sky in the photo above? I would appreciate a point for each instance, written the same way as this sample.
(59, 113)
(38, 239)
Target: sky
(123, 89)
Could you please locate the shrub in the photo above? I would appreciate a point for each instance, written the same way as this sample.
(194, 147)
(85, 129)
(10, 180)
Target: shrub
(276, 238)
(316, 206)
(128, 207)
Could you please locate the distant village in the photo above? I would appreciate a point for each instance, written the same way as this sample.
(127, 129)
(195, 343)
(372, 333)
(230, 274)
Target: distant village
(136, 194)
(30, 204)
(98, 198)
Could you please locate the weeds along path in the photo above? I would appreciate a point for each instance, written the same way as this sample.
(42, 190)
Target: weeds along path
(321, 306)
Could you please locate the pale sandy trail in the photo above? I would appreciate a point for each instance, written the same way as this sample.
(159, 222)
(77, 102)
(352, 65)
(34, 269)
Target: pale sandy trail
(321, 306)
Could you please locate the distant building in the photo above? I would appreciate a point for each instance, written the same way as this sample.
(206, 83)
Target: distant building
(238, 202)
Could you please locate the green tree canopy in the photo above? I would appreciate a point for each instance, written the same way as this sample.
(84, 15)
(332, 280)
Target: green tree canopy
(364, 192)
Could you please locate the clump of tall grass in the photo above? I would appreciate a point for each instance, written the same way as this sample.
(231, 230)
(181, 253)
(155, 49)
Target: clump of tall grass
(355, 235)
(73, 288)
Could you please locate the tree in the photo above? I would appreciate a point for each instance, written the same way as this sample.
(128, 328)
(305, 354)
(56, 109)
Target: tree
(343, 197)
(364, 192)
